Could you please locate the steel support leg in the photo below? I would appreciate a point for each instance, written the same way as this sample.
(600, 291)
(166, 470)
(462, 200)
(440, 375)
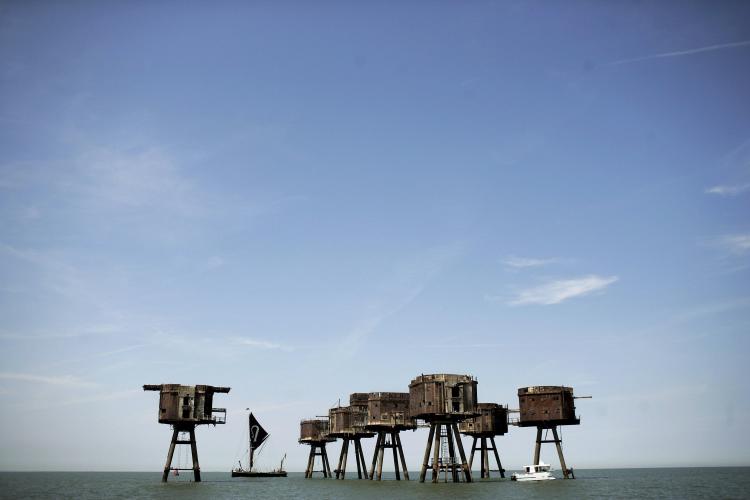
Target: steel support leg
(467, 470)
(170, 454)
(558, 443)
(194, 452)
(436, 453)
(401, 454)
(497, 457)
(538, 449)
(426, 460)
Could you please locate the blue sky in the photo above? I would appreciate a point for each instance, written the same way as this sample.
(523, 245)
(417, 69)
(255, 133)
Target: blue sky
(303, 201)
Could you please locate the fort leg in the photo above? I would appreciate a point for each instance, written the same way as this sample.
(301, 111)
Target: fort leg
(170, 454)
(426, 460)
(194, 451)
(395, 456)
(339, 466)
(558, 443)
(337, 471)
(471, 455)
(375, 455)
(467, 471)
(357, 446)
(485, 458)
(381, 452)
(538, 449)
(346, 457)
(436, 453)
(401, 454)
(310, 458)
(362, 461)
(497, 457)
(452, 456)
(326, 464)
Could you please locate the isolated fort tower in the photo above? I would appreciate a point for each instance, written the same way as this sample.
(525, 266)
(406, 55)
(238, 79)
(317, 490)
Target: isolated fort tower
(492, 421)
(443, 400)
(314, 432)
(388, 415)
(348, 423)
(183, 407)
(546, 407)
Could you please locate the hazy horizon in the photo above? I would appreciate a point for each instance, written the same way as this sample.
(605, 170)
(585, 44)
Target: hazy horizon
(304, 200)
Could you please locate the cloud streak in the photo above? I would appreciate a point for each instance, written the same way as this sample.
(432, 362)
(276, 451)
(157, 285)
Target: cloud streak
(728, 190)
(679, 53)
(738, 244)
(559, 291)
(64, 380)
(261, 344)
(514, 262)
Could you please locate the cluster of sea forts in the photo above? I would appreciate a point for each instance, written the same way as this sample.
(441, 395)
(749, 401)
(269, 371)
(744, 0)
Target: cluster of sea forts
(445, 403)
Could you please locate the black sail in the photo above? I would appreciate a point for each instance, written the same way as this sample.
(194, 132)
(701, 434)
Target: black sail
(257, 433)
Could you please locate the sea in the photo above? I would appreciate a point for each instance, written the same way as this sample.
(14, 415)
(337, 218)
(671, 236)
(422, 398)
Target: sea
(678, 483)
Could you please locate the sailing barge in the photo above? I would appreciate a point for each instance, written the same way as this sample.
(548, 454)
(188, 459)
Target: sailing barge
(257, 436)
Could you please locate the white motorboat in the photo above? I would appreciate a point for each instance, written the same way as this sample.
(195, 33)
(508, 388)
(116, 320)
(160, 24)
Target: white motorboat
(538, 472)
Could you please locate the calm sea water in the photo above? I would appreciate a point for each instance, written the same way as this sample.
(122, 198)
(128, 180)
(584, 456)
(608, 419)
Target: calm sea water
(725, 482)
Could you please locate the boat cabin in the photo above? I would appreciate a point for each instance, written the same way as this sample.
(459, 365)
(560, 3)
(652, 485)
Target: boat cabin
(531, 469)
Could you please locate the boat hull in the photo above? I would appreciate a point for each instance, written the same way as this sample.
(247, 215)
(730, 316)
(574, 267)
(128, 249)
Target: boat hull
(244, 473)
(535, 477)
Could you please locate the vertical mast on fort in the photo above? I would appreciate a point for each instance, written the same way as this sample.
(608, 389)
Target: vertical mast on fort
(492, 421)
(183, 407)
(443, 400)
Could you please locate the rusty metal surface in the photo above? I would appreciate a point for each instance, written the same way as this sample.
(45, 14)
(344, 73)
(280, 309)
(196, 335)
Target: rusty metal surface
(443, 396)
(359, 399)
(188, 404)
(491, 421)
(389, 410)
(314, 431)
(348, 421)
(547, 406)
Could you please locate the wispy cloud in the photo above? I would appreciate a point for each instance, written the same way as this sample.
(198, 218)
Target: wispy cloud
(558, 291)
(728, 190)
(679, 53)
(514, 262)
(64, 380)
(214, 262)
(146, 178)
(738, 244)
(261, 344)
(68, 333)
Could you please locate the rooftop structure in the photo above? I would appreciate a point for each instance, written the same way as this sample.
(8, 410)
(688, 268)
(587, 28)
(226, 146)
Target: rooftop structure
(547, 405)
(443, 396)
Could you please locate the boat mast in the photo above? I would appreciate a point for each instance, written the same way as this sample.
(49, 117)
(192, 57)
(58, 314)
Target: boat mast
(250, 435)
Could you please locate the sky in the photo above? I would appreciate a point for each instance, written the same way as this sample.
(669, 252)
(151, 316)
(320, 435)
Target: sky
(304, 200)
